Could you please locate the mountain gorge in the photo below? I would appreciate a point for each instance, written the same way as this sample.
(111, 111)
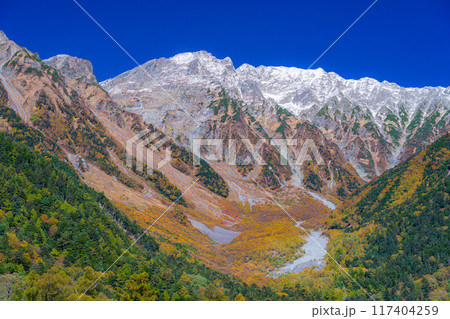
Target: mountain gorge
(368, 149)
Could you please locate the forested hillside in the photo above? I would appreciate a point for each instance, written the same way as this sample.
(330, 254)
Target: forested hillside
(393, 233)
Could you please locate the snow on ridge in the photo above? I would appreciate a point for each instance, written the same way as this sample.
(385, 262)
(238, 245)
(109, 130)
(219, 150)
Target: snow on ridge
(293, 88)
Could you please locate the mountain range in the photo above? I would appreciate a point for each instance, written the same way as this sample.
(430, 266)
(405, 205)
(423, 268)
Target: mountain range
(376, 125)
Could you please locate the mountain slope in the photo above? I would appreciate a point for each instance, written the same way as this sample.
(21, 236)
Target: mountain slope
(61, 98)
(393, 233)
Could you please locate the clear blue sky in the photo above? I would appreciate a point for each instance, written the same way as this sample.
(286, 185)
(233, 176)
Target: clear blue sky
(402, 41)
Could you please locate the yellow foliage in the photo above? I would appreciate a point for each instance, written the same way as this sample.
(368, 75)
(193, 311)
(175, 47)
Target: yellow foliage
(185, 278)
(167, 249)
(13, 241)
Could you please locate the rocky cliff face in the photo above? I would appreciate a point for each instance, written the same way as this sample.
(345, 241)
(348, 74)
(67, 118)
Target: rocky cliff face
(78, 74)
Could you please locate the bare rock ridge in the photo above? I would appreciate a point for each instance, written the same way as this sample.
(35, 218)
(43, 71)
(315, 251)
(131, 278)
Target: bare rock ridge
(73, 67)
(3, 37)
(7, 48)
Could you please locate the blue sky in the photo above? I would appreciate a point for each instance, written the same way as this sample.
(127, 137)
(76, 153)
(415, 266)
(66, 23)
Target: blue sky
(403, 41)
